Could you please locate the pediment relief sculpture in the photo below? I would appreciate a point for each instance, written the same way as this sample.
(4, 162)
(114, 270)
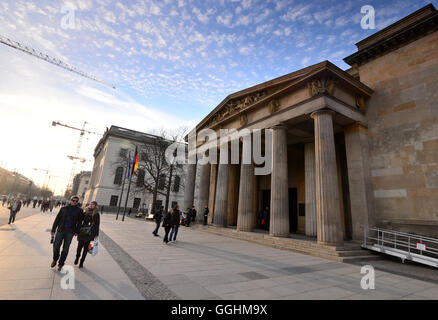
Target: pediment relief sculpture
(234, 106)
(325, 85)
(273, 106)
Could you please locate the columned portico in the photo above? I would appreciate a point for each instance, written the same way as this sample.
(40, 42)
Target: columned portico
(204, 188)
(304, 190)
(189, 193)
(279, 221)
(329, 226)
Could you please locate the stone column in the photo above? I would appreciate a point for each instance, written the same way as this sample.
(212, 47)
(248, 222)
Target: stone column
(279, 221)
(212, 194)
(221, 202)
(245, 217)
(309, 181)
(359, 179)
(189, 191)
(329, 226)
(204, 188)
(233, 194)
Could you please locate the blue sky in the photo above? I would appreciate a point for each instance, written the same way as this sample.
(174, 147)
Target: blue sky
(172, 61)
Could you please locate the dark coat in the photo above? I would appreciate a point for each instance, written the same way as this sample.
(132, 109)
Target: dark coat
(158, 215)
(206, 212)
(58, 224)
(167, 220)
(175, 218)
(90, 218)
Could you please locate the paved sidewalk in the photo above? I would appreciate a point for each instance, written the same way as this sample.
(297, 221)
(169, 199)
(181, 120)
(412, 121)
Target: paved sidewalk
(206, 266)
(25, 273)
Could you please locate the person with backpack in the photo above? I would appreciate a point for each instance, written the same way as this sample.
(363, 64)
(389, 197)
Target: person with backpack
(88, 231)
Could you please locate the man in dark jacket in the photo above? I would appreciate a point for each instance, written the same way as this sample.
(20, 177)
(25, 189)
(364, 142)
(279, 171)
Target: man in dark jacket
(205, 215)
(157, 217)
(66, 225)
(15, 207)
(175, 221)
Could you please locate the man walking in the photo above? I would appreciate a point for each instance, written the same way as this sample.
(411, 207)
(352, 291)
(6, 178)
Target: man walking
(175, 221)
(66, 225)
(157, 218)
(205, 215)
(15, 207)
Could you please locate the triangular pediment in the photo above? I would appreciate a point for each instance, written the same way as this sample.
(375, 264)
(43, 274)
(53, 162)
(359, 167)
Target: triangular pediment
(265, 93)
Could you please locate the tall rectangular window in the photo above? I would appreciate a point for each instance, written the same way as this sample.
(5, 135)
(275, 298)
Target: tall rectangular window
(136, 203)
(113, 201)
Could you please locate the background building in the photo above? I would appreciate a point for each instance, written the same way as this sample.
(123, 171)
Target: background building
(109, 170)
(81, 183)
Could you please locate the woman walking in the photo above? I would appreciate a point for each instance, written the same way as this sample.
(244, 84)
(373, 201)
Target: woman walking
(88, 231)
(167, 225)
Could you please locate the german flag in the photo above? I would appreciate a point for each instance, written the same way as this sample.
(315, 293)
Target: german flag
(135, 164)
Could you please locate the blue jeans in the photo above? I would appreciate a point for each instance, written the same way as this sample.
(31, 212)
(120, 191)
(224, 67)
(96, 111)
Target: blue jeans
(156, 228)
(174, 232)
(64, 238)
(12, 216)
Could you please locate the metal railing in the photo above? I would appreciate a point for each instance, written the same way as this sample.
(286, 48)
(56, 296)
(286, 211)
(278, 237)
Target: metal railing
(411, 245)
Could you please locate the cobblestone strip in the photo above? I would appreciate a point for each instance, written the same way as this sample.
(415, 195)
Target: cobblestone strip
(150, 287)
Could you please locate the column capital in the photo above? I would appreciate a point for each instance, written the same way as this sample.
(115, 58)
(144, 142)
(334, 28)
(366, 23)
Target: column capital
(322, 111)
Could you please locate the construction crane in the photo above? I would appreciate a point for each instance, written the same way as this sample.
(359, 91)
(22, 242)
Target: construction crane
(45, 57)
(82, 160)
(78, 148)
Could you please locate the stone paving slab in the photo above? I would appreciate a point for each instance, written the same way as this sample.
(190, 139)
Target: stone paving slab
(205, 266)
(133, 264)
(25, 273)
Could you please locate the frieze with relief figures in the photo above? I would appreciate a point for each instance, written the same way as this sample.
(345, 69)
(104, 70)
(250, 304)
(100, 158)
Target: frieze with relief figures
(234, 106)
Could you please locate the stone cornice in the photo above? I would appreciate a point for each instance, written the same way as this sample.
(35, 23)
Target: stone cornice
(417, 25)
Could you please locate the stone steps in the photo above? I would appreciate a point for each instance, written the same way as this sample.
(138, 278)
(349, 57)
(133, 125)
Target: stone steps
(351, 252)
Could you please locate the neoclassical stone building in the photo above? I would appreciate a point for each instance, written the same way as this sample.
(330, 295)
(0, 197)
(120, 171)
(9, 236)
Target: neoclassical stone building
(351, 148)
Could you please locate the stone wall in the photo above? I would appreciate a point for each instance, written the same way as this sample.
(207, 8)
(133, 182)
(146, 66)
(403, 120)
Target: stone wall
(403, 136)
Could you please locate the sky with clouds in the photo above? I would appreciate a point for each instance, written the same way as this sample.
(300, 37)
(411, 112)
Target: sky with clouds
(171, 61)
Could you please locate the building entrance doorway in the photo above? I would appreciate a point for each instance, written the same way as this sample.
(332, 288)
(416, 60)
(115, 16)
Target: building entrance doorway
(293, 210)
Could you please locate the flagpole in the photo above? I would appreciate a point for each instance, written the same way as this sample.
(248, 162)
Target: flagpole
(134, 168)
(127, 196)
(121, 195)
